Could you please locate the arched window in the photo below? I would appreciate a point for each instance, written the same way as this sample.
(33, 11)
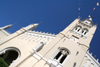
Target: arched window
(61, 55)
(77, 28)
(10, 55)
(84, 31)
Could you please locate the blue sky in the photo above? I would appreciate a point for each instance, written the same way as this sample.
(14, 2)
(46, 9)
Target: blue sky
(55, 16)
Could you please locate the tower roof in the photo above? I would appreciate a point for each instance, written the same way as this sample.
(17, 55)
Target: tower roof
(88, 22)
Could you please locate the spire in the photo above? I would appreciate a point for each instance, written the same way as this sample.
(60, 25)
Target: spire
(31, 27)
(35, 25)
(6, 27)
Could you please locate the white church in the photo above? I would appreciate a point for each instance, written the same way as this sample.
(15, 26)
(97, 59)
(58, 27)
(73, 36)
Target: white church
(29, 48)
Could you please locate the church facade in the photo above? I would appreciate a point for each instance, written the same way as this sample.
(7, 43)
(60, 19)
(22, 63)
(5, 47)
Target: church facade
(69, 48)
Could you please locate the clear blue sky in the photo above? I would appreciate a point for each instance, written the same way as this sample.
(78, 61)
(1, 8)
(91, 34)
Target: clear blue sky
(55, 15)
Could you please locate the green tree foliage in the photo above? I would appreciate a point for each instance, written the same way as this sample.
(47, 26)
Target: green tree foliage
(3, 63)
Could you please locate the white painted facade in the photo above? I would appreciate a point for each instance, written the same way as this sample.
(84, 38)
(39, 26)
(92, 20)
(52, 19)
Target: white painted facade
(40, 49)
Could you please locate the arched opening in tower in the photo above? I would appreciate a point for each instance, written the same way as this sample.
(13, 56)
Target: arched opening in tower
(9, 56)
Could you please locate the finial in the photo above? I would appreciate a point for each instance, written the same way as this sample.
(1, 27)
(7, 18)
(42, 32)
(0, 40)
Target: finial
(10, 25)
(6, 27)
(50, 33)
(91, 53)
(79, 17)
(31, 27)
(43, 32)
(53, 33)
(97, 59)
(90, 18)
(40, 31)
(37, 31)
(35, 25)
(47, 33)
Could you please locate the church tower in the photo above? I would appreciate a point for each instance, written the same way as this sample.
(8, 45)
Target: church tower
(70, 46)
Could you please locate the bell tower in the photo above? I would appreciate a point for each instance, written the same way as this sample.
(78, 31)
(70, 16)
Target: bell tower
(70, 46)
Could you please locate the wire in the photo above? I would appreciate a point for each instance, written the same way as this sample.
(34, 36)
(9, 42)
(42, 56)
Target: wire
(94, 8)
(79, 9)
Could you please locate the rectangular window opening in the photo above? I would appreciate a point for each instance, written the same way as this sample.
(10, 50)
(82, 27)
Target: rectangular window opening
(58, 55)
(63, 58)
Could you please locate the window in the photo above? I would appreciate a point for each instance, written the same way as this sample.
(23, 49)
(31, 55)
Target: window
(74, 64)
(61, 55)
(10, 55)
(84, 31)
(87, 22)
(80, 31)
(77, 28)
(77, 53)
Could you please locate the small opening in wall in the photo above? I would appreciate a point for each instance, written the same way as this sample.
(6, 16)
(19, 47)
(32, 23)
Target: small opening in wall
(74, 64)
(82, 31)
(58, 55)
(78, 30)
(77, 53)
(62, 59)
(85, 33)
